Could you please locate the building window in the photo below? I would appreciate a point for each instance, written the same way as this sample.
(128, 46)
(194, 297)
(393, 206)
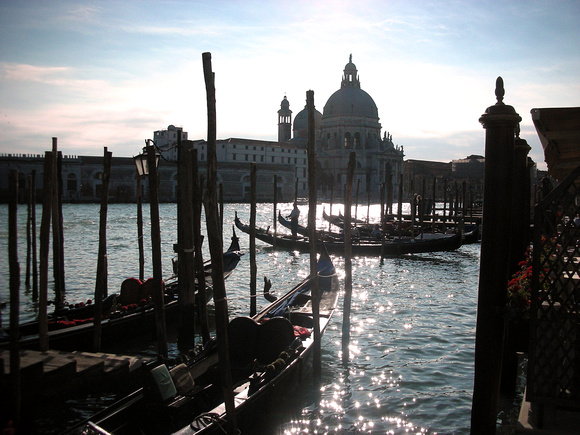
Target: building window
(202, 157)
(261, 158)
(272, 159)
(234, 146)
(254, 157)
(233, 157)
(246, 157)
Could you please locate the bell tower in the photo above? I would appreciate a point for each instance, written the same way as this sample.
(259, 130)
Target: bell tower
(284, 121)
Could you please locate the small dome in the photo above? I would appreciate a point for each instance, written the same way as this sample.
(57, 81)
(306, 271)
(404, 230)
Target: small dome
(285, 104)
(300, 126)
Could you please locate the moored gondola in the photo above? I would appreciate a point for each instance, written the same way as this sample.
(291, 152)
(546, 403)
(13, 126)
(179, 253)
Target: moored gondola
(270, 355)
(127, 314)
(391, 247)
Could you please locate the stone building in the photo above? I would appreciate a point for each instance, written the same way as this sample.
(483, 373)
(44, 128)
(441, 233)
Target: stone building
(350, 122)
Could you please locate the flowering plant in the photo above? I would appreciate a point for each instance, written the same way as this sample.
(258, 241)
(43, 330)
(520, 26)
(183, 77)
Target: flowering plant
(519, 289)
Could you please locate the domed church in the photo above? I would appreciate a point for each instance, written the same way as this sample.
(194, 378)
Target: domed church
(349, 122)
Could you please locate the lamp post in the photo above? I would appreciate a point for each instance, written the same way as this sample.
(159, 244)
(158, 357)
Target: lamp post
(146, 164)
(142, 170)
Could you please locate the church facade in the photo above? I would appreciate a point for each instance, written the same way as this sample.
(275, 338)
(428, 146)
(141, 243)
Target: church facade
(349, 123)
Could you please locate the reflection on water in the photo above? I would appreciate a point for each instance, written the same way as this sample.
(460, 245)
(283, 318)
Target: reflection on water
(413, 320)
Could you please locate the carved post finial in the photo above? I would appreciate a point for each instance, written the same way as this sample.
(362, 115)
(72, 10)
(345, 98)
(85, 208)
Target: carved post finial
(350, 58)
(499, 90)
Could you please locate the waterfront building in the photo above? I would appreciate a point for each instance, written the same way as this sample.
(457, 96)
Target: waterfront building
(350, 122)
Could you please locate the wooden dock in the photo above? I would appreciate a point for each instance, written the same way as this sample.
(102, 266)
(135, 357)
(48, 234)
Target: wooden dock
(55, 372)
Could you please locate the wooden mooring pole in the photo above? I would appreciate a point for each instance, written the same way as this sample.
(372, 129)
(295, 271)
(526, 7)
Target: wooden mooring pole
(185, 248)
(44, 249)
(216, 247)
(500, 122)
(57, 241)
(253, 267)
(347, 260)
(312, 199)
(14, 266)
(158, 290)
(275, 209)
(197, 189)
(101, 283)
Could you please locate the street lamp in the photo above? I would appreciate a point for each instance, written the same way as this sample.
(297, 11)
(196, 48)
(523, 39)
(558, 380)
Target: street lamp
(141, 159)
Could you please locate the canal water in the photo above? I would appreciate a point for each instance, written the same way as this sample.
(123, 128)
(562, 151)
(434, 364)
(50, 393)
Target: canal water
(413, 319)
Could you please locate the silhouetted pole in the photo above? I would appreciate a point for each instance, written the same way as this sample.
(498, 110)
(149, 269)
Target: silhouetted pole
(400, 206)
(14, 296)
(216, 248)
(140, 228)
(253, 267)
(158, 290)
(221, 202)
(434, 210)
(521, 193)
(44, 250)
(356, 200)
(347, 260)
(102, 282)
(275, 210)
(32, 240)
(185, 248)
(57, 246)
(331, 201)
(312, 198)
(500, 122)
(197, 188)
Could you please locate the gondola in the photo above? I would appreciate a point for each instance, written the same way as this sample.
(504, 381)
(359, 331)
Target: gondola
(127, 314)
(270, 354)
(392, 247)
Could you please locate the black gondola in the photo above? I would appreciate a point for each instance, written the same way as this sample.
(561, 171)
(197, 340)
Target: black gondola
(270, 355)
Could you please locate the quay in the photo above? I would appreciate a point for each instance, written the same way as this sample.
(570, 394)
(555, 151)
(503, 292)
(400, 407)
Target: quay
(55, 372)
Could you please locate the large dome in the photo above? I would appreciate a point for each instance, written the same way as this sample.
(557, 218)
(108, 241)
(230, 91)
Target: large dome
(350, 101)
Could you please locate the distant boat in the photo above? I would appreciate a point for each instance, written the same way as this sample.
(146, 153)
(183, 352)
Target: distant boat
(391, 248)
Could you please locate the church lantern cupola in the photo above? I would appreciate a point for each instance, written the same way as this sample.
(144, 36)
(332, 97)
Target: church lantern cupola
(284, 121)
(350, 77)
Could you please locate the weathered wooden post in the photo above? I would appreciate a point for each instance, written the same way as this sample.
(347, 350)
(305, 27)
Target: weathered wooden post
(14, 296)
(57, 246)
(197, 189)
(32, 239)
(347, 260)
(102, 282)
(400, 207)
(275, 207)
(216, 249)
(185, 248)
(158, 290)
(253, 267)
(521, 194)
(44, 249)
(140, 227)
(312, 198)
(434, 210)
(520, 240)
(500, 122)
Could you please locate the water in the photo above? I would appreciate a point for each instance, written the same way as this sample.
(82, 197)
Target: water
(413, 319)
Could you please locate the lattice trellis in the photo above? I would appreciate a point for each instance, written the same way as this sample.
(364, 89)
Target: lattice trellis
(554, 358)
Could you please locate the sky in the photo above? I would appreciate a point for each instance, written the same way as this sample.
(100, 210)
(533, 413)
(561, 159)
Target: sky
(98, 74)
